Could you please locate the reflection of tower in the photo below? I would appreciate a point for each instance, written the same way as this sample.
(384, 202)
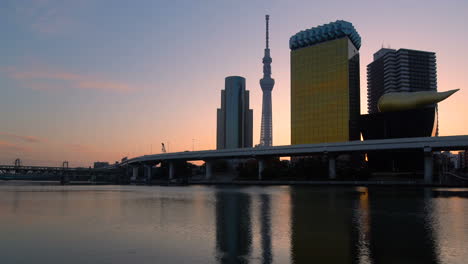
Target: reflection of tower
(265, 219)
(267, 83)
(233, 227)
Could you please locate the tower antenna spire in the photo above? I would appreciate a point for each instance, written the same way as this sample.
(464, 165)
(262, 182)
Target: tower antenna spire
(267, 18)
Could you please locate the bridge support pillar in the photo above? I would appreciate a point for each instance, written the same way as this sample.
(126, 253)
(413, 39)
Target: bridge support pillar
(428, 165)
(208, 169)
(331, 166)
(134, 173)
(261, 167)
(171, 170)
(148, 177)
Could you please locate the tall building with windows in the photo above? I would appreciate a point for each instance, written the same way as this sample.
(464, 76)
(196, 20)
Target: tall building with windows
(402, 70)
(325, 103)
(402, 75)
(234, 118)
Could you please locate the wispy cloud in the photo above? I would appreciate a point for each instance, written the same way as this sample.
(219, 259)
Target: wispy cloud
(41, 79)
(46, 16)
(11, 147)
(80, 148)
(29, 139)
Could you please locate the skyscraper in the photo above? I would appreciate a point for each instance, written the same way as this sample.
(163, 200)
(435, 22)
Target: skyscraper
(398, 74)
(325, 84)
(402, 70)
(267, 83)
(234, 118)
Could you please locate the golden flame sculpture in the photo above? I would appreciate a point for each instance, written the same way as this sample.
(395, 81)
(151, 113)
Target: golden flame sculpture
(406, 101)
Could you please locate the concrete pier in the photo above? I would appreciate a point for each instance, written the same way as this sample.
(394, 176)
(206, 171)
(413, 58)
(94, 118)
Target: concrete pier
(208, 170)
(331, 166)
(428, 165)
(261, 167)
(171, 170)
(134, 173)
(148, 172)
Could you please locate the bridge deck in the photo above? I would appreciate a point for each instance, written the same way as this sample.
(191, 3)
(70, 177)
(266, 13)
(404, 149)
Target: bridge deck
(431, 143)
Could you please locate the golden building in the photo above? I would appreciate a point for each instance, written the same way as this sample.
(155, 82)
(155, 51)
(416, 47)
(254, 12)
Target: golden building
(325, 103)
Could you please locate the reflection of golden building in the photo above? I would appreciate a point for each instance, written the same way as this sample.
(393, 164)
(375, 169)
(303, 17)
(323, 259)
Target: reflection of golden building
(325, 84)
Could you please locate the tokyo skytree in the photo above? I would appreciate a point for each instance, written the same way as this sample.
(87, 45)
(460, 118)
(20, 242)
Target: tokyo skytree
(267, 83)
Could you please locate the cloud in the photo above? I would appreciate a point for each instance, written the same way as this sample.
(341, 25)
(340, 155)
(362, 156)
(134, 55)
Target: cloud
(43, 75)
(104, 86)
(46, 16)
(42, 79)
(29, 139)
(11, 147)
(80, 148)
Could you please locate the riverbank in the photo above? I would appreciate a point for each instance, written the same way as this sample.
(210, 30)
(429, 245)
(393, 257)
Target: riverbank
(249, 183)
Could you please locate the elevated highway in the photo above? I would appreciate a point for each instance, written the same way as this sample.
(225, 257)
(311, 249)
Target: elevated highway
(427, 144)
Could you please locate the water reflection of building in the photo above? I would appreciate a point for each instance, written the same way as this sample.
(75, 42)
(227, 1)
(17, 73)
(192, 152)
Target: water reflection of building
(400, 232)
(322, 226)
(233, 226)
(363, 220)
(342, 225)
(448, 214)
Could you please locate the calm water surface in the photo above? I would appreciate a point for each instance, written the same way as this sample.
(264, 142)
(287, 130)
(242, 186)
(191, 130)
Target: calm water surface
(197, 224)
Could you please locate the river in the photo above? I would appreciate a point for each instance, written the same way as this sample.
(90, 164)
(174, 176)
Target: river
(230, 224)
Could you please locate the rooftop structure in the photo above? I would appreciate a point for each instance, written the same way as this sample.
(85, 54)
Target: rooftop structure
(323, 33)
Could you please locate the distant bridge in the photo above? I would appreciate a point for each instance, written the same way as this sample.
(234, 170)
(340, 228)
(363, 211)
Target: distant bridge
(62, 174)
(425, 144)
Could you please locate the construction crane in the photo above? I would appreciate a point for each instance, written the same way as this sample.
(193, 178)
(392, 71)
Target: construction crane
(163, 148)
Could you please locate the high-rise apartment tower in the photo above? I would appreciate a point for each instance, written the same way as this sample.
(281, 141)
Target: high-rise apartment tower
(267, 83)
(402, 70)
(234, 118)
(325, 103)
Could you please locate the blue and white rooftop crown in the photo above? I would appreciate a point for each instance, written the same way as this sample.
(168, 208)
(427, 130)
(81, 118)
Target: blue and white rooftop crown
(330, 31)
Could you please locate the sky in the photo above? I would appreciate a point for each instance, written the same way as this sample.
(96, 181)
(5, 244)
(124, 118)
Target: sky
(98, 80)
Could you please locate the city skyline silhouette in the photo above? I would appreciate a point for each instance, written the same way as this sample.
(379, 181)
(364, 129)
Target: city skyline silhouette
(88, 81)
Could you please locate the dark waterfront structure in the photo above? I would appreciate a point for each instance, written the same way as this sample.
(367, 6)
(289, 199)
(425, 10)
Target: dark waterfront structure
(100, 164)
(325, 103)
(421, 122)
(402, 70)
(234, 118)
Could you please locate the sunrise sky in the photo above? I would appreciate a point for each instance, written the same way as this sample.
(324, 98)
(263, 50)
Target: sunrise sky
(93, 80)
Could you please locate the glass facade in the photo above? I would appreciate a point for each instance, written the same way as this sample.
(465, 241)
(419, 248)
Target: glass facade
(234, 118)
(325, 92)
